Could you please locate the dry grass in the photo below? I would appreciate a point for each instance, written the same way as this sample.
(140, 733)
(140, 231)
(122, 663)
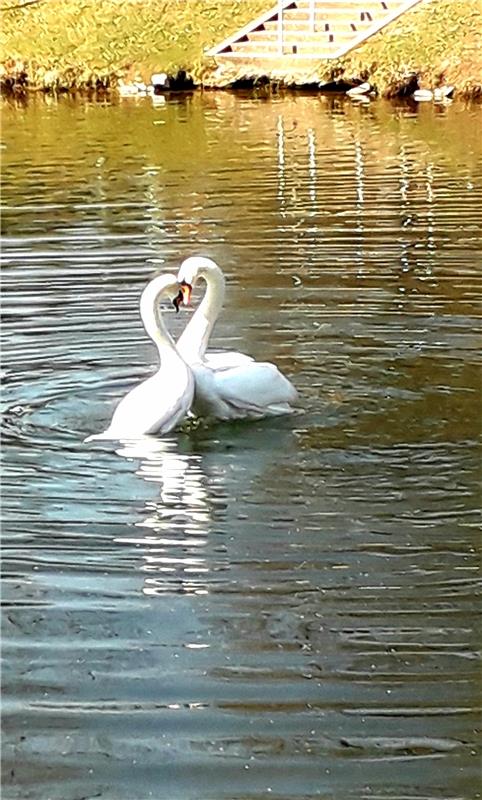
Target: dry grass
(69, 43)
(440, 40)
(84, 41)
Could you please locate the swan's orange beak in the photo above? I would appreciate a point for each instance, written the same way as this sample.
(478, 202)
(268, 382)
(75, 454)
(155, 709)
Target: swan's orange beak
(186, 291)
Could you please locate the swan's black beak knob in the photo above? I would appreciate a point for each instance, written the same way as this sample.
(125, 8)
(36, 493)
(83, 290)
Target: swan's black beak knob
(177, 301)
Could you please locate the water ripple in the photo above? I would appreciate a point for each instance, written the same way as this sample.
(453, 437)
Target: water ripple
(284, 609)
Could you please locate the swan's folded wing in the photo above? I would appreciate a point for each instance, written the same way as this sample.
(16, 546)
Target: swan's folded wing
(255, 386)
(155, 406)
(225, 360)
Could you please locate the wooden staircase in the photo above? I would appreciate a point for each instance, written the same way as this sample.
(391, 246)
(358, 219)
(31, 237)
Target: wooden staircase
(310, 29)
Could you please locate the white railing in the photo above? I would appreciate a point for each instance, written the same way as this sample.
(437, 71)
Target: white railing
(280, 27)
(312, 15)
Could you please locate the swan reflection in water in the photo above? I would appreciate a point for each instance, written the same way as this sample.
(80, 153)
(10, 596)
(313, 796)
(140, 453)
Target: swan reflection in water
(196, 477)
(176, 524)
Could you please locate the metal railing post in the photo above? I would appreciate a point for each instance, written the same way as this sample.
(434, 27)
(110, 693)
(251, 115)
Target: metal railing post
(280, 27)
(312, 16)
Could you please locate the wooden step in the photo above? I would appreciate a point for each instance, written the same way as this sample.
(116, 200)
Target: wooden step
(334, 6)
(325, 26)
(345, 21)
(255, 47)
(290, 46)
(321, 27)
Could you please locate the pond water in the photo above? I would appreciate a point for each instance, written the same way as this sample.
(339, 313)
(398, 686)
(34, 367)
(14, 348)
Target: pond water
(283, 609)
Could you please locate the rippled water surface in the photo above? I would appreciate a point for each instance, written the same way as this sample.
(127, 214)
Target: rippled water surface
(283, 609)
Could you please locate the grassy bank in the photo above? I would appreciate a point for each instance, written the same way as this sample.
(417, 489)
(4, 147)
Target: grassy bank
(82, 43)
(440, 40)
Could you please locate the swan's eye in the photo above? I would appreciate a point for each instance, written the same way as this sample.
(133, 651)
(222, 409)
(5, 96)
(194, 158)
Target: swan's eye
(185, 292)
(177, 301)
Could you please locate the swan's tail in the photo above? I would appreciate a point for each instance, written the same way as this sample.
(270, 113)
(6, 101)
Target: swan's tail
(277, 409)
(94, 437)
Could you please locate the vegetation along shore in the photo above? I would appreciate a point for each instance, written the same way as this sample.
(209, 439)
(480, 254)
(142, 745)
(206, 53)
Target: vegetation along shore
(66, 45)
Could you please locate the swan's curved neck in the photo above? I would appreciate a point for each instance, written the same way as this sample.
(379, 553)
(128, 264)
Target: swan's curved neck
(194, 340)
(154, 323)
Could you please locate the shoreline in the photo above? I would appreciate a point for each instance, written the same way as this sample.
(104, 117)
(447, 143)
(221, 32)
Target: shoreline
(397, 88)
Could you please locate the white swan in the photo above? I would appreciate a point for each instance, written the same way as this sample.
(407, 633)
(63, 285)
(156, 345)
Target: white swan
(159, 403)
(228, 385)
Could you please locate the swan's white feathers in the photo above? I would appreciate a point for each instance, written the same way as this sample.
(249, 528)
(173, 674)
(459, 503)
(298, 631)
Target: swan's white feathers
(251, 390)
(155, 406)
(226, 360)
(159, 403)
(257, 384)
(228, 385)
